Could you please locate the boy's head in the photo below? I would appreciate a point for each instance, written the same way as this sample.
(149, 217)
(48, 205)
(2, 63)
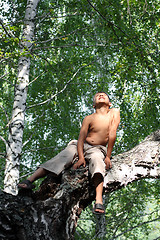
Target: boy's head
(98, 94)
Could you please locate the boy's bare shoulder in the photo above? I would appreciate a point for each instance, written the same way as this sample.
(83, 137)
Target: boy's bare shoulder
(115, 111)
(89, 117)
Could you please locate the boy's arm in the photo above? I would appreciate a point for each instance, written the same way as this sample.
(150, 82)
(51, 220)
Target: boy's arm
(112, 136)
(82, 137)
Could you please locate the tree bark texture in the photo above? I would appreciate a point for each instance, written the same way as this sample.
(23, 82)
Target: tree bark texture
(16, 124)
(140, 162)
(52, 211)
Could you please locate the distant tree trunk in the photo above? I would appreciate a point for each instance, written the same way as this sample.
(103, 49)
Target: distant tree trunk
(16, 124)
(52, 212)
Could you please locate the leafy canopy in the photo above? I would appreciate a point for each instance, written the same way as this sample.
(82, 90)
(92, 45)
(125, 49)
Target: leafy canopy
(79, 48)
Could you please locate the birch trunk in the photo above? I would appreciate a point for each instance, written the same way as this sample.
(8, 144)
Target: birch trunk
(16, 124)
(53, 211)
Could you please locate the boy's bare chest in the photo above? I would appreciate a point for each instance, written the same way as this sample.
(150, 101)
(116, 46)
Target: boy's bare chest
(100, 123)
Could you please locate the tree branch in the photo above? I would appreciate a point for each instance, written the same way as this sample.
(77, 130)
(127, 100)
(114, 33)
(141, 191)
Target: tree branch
(62, 90)
(60, 37)
(115, 25)
(6, 114)
(4, 28)
(138, 225)
(5, 142)
(135, 166)
(37, 77)
(70, 45)
(109, 22)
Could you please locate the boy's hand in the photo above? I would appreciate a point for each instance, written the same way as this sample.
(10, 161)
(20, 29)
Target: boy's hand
(80, 162)
(108, 163)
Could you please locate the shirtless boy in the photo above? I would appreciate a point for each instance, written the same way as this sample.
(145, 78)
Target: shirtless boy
(97, 131)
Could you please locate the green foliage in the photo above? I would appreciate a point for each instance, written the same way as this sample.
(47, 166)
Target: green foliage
(131, 213)
(79, 48)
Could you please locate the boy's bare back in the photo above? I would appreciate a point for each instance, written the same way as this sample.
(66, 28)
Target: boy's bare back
(100, 125)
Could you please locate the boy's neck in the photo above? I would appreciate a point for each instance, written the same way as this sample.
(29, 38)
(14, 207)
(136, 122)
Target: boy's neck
(102, 110)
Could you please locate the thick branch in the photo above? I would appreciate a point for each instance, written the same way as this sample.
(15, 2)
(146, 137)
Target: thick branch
(140, 162)
(52, 211)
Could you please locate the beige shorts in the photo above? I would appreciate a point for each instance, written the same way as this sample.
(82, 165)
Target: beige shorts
(94, 155)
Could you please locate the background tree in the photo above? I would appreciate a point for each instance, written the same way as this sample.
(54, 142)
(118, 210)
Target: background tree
(78, 48)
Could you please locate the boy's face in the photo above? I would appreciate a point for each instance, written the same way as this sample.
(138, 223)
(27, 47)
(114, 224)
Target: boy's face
(101, 98)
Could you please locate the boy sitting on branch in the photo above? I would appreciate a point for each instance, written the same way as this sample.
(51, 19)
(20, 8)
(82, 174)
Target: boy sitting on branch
(98, 130)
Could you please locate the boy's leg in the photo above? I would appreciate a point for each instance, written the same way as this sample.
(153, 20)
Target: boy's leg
(98, 183)
(62, 160)
(55, 165)
(95, 157)
(39, 173)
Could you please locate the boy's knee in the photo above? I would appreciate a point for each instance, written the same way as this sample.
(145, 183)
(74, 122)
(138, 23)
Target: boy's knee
(98, 176)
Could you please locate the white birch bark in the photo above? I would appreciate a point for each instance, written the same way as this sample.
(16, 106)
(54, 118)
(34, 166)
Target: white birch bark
(16, 124)
(140, 162)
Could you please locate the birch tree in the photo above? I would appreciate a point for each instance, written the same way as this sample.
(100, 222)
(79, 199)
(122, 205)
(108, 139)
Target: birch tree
(16, 124)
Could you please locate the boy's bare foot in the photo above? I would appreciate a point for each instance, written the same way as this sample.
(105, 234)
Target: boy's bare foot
(26, 184)
(98, 209)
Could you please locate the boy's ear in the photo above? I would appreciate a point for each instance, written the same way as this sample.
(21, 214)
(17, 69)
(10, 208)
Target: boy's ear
(93, 106)
(110, 104)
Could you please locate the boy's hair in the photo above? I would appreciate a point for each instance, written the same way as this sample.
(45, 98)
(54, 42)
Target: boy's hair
(100, 92)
